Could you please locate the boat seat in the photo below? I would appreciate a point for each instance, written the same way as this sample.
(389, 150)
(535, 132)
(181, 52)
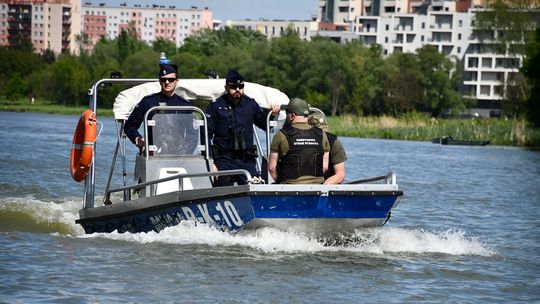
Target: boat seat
(172, 185)
(161, 167)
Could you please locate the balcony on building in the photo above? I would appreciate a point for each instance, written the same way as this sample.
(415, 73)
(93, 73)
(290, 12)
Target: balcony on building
(447, 49)
(398, 40)
(441, 38)
(469, 91)
(492, 78)
(471, 62)
(507, 63)
(442, 21)
(405, 24)
(389, 9)
(485, 91)
(368, 25)
(368, 39)
(470, 76)
(440, 6)
(487, 63)
(482, 37)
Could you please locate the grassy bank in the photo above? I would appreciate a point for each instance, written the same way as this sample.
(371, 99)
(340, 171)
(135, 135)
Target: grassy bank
(42, 106)
(507, 132)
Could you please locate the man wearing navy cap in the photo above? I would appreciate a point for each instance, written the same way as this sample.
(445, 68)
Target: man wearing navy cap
(166, 97)
(230, 128)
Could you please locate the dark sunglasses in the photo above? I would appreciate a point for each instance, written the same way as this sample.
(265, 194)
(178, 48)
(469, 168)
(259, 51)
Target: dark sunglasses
(234, 86)
(164, 80)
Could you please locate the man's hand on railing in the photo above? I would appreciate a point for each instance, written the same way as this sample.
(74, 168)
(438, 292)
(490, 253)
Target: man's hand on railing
(139, 142)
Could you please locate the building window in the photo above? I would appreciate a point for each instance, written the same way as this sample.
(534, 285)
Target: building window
(423, 25)
(387, 27)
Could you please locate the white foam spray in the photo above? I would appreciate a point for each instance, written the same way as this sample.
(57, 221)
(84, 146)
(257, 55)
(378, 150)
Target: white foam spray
(379, 241)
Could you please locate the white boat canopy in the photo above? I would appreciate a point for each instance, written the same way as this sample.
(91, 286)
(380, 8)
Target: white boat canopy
(205, 89)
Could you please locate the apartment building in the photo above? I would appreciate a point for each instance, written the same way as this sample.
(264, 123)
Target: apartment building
(56, 24)
(344, 11)
(48, 24)
(275, 28)
(407, 25)
(448, 31)
(150, 22)
(486, 72)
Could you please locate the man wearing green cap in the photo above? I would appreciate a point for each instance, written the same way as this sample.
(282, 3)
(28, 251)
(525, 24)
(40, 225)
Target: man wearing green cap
(299, 153)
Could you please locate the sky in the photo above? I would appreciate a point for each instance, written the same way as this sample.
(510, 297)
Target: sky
(236, 9)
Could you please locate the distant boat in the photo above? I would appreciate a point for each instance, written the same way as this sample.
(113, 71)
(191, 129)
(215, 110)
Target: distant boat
(448, 140)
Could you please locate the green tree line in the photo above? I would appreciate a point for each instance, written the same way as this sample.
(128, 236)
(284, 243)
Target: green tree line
(338, 78)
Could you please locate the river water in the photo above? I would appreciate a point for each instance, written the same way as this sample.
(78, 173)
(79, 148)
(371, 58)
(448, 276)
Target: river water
(467, 230)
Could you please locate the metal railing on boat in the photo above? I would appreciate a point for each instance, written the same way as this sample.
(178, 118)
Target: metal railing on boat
(180, 178)
(389, 178)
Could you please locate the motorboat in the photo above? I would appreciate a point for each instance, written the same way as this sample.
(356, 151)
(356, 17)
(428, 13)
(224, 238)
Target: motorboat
(173, 180)
(449, 140)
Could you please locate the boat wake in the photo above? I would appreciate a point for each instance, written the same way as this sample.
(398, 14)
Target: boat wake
(32, 215)
(29, 214)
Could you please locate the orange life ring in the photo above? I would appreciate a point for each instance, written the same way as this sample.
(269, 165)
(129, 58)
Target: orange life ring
(82, 150)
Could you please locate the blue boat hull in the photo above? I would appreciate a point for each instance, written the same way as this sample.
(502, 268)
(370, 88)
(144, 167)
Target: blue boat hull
(235, 208)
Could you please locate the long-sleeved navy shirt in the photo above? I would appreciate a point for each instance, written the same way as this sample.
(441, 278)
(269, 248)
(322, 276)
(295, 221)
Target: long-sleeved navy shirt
(137, 115)
(227, 121)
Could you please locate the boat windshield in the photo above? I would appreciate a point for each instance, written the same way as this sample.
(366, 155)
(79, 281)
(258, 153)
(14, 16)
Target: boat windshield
(174, 133)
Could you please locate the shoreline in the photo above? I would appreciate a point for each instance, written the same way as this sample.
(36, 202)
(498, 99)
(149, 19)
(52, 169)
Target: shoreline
(503, 132)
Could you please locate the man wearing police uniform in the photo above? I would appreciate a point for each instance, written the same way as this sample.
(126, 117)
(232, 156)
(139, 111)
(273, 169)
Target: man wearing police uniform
(299, 152)
(166, 97)
(336, 165)
(230, 129)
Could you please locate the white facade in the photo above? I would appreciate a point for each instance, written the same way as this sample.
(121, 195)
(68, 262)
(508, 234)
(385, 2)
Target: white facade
(449, 32)
(275, 28)
(485, 72)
